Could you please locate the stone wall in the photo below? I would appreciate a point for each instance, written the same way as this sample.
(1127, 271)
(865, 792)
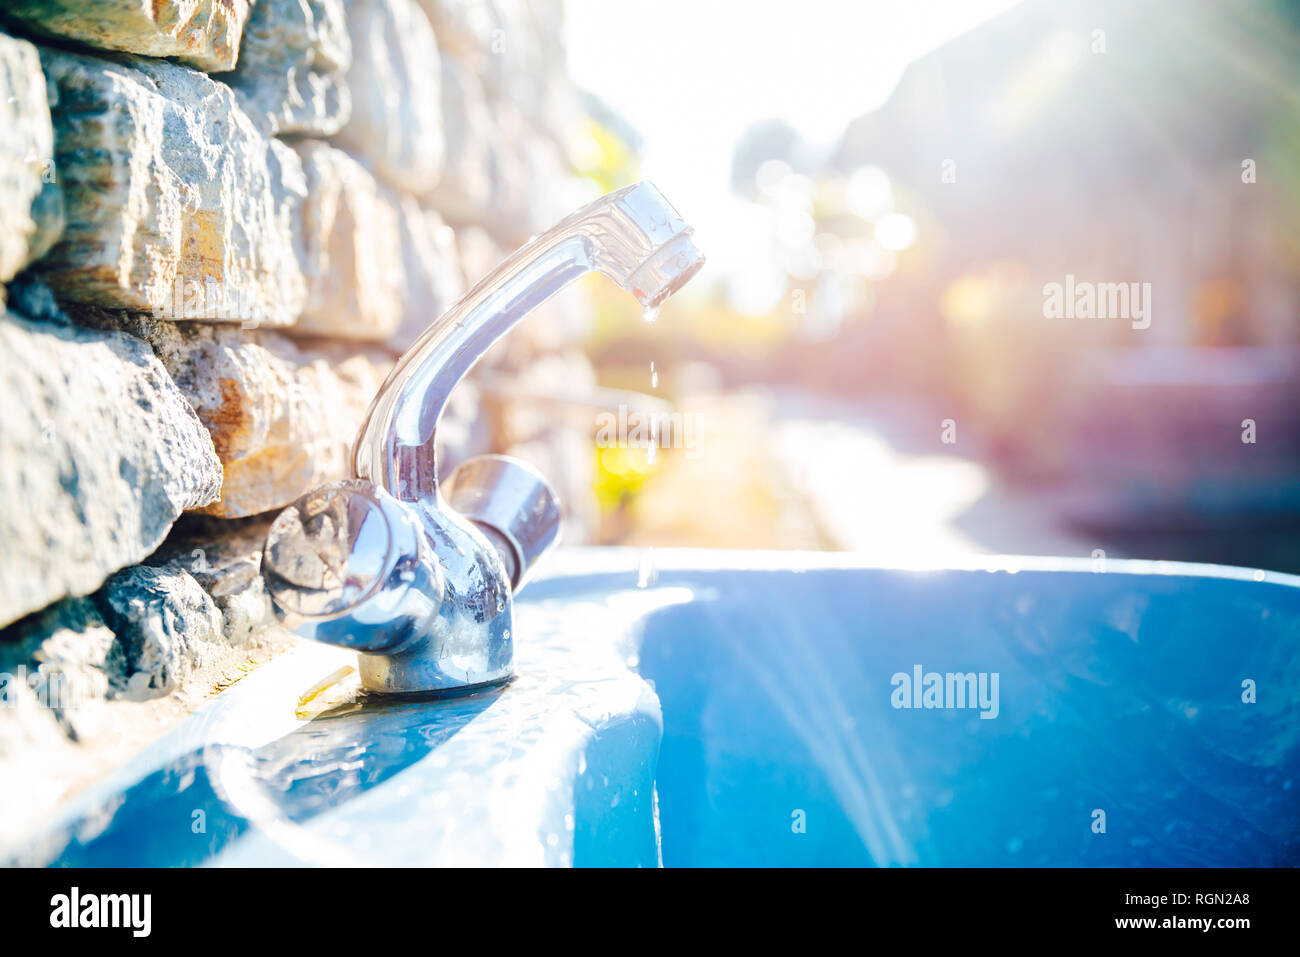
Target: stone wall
(220, 223)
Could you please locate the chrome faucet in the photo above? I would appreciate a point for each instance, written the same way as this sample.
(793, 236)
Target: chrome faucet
(418, 577)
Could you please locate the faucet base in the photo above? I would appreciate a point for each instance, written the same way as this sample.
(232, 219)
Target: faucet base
(441, 694)
(423, 673)
(469, 639)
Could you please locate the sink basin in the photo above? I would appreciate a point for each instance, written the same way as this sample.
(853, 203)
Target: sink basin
(698, 708)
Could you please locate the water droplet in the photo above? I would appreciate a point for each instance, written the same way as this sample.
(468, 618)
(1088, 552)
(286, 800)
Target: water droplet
(654, 376)
(646, 574)
(650, 313)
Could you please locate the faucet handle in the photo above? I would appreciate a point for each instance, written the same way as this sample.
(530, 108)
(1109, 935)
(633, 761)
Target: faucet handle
(512, 504)
(347, 564)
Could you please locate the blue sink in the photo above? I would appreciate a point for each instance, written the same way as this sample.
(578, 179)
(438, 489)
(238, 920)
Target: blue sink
(694, 708)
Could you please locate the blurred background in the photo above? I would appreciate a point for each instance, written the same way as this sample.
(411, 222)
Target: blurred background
(885, 192)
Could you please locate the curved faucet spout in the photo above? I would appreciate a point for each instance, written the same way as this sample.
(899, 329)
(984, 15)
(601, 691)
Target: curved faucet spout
(632, 235)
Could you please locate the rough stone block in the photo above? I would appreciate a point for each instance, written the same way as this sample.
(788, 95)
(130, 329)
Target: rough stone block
(282, 416)
(292, 67)
(31, 207)
(352, 249)
(431, 267)
(176, 203)
(396, 124)
(165, 625)
(99, 454)
(201, 33)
